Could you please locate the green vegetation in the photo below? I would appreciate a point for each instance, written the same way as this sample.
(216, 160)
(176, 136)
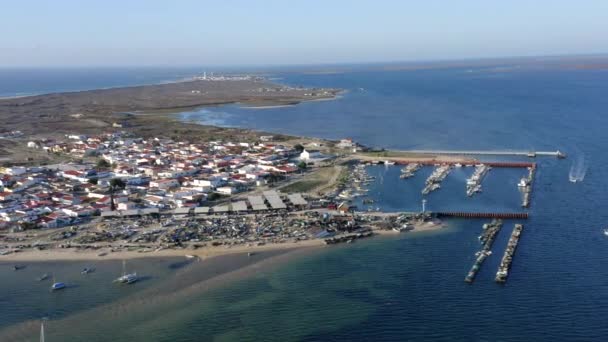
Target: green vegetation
(214, 196)
(115, 184)
(343, 177)
(28, 225)
(103, 164)
(302, 186)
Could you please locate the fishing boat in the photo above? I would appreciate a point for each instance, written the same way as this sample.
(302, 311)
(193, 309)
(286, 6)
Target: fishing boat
(404, 228)
(57, 285)
(43, 277)
(87, 270)
(523, 182)
(126, 278)
(18, 267)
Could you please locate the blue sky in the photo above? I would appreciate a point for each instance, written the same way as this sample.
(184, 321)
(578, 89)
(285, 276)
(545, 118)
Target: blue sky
(256, 32)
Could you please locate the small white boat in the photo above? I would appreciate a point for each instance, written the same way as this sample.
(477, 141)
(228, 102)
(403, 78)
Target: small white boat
(57, 286)
(606, 231)
(126, 278)
(190, 256)
(523, 182)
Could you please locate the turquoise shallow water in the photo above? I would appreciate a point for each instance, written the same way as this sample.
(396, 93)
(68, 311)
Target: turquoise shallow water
(408, 287)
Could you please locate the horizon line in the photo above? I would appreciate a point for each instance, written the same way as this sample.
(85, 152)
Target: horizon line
(319, 64)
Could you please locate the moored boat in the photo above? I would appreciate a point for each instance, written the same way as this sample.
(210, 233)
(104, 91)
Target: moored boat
(126, 278)
(87, 270)
(58, 286)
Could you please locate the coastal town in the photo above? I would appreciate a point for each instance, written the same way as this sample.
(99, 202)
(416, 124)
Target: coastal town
(130, 193)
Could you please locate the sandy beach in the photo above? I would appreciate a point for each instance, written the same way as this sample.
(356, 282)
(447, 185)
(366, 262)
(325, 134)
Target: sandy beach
(205, 252)
(73, 254)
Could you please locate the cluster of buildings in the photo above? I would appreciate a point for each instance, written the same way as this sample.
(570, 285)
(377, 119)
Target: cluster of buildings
(212, 77)
(156, 175)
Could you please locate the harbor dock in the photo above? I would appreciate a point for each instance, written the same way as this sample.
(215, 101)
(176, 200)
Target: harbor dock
(525, 186)
(434, 181)
(490, 230)
(531, 154)
(465, 162)
(410, 170)
(481, 215)
(473, 184)
(507, 259)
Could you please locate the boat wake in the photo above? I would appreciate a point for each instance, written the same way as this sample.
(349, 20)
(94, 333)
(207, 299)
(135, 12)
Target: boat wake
(578, 169)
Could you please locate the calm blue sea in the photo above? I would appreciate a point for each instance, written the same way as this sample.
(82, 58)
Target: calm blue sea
(410, 287)
(32, 81)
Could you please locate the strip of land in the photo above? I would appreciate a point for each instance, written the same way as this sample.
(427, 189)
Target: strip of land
(114, 109)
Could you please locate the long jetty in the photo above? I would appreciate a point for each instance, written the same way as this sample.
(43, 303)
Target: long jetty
(507, 259)
(490, 230)
(481, 215)
(531, 154)
(527, 188)
(466, 162)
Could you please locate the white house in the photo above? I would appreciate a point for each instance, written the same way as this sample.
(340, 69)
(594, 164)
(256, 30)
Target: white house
(226, 190)
(164, 183)
(346, 143)
(310, 154)
(16, 170)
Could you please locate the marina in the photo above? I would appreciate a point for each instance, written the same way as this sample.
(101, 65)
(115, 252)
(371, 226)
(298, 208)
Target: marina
(434, 181)
(507, 259)
(410, 170)
(419, 265)
(490, 230)
(474, 182)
